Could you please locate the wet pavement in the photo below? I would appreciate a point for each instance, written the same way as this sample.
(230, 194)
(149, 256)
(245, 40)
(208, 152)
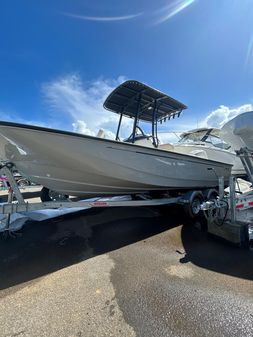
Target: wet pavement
(124, 272)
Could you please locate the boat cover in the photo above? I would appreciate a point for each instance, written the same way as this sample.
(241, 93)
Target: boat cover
(239, 131)
(133, 97)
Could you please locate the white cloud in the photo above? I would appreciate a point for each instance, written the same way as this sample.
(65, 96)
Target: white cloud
(82, 103)
(81, 127)
(223, 114)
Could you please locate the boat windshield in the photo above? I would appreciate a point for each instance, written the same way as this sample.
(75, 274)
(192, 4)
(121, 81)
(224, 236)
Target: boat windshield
(217, 142)
(204, 137)
(192, 137)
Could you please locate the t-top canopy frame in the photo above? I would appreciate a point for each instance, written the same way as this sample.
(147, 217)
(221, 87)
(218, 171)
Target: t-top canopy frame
(136, 100)
(132, 97)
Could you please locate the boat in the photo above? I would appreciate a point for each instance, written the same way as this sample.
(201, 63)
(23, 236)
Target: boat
(239, 131)
(207, 143)
(81, 165)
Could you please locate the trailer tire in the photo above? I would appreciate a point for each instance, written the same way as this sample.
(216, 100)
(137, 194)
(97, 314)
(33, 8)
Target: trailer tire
(210, 194)
(49, 195)
(192, 209)
(23, 182)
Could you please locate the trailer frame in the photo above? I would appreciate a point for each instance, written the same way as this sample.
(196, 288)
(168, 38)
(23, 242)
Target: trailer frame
(230, 216)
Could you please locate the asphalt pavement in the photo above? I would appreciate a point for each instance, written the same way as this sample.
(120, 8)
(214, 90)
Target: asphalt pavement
(124, 272)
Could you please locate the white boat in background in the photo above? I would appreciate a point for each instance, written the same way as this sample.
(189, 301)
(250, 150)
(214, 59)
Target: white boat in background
(81, 165)
(207, 143)
(239, 131)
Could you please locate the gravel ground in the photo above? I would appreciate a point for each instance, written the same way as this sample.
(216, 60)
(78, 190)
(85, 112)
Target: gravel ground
(123, 272)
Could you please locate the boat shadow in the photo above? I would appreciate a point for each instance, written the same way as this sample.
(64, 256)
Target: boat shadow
(47, 246)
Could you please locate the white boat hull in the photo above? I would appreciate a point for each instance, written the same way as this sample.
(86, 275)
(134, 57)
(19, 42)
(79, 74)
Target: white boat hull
(239, 131)
(80, 165)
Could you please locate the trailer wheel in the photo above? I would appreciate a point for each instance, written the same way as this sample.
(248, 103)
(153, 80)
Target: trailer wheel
(50, 195)
(23, 182)
(192, 209)
(211, 194)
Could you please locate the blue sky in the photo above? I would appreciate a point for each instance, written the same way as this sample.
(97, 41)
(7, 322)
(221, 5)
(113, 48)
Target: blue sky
(59, 58)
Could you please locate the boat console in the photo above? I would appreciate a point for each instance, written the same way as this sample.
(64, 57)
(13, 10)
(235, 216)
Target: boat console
(140, 138)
